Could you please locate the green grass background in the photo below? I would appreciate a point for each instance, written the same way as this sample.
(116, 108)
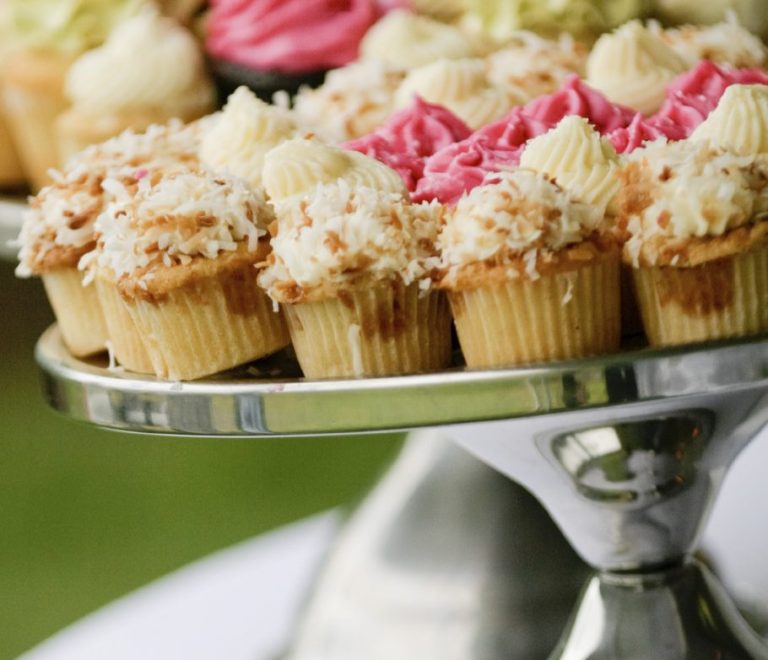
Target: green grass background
(87, 515)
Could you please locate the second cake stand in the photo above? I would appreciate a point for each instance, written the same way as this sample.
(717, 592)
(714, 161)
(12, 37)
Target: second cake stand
(626, 452)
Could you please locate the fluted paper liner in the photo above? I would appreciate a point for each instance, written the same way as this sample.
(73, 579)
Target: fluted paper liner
(721, 298)
(33, 96)
(384, 330)
(209, 325)
(126, 343)
(559, 316)
(78, 311)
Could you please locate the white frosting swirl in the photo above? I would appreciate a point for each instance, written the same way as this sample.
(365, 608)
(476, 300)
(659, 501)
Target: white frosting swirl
(632, 66)
(148, 63)
(243, 134)
(463, 87)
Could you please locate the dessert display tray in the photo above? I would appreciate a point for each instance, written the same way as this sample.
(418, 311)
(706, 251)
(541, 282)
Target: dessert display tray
(11, 210)
(270, 398)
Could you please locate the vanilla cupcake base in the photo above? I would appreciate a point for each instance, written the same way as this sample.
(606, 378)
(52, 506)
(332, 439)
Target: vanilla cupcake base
(126, 342)
(387, 329)
(559, 316)
(209, 325)
(722, 298)
(78, 311)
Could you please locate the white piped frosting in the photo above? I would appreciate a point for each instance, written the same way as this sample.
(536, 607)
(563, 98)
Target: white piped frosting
(245, 131)
(632, 66)
(581, 161)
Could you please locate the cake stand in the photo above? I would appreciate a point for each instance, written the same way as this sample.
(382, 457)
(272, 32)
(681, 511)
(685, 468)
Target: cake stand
(626, 452)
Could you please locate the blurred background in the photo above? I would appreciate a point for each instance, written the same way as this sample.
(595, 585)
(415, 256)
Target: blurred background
(89, 515)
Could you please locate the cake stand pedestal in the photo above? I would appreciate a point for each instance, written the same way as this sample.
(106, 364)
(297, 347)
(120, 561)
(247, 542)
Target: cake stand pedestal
(626, 452)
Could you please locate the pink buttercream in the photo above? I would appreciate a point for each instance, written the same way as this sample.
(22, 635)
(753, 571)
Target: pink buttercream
(410, 136)
(693, 95)
(293, 36)
(458, 168)
(643, 129)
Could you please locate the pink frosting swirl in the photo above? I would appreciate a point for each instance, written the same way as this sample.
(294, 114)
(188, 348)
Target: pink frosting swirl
(410, 136)
(642, 130)
(292, 36)
(693, 95)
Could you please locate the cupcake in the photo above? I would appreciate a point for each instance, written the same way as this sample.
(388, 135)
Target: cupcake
(352, 102)
(351, 265)
(695, 216)
(272, 46)
(723, 43)
(534, 66)
(149, 71)
(749, 13)
(463, 87)
(182, 249)
(632, 66)
(406, 40)
(529, 276)
(47, 36)
(59, 231)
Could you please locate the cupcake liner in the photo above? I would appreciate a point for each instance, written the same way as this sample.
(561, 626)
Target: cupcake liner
(33, 96)
(11, 173)
(78, 311)
(721, 298)
(230, 75)
(387, 329)
(209, 325)
(125, 339)
(559, 316)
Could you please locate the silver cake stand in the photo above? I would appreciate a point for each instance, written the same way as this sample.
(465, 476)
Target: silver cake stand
(626, 453)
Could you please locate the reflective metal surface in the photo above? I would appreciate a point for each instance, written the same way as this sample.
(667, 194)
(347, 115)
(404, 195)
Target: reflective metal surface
(443, 561)
(240, 403)
(675, 615)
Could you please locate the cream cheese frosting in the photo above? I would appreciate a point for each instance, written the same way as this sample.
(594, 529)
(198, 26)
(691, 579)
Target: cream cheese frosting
(674, 192)
(148, 62)
(297, 166)
(739, 123)
(632, 66)
(579, 158)
(520, 215)
(168, 219)
(407, 40)
(534, 66)
(338, 234)
(353, 101)
(242, 135)
(726, 42)
(463, 87)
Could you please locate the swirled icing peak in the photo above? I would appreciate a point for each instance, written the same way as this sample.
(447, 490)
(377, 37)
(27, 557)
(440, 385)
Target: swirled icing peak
(150, 63)
(66, 25)
(463, 87)
(294, 36)
(243, 134)
(632, 66)
(739, 123)
(299, 165)
(582, 162)
(407, 40)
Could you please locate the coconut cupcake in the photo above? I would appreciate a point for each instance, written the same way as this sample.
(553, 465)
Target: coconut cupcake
(150, 70)
(528, 274)
(698, 239)
(632, 66)
(462, 86)
(59, 229)
(47, 36)
(351, 266)
(182, 249)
